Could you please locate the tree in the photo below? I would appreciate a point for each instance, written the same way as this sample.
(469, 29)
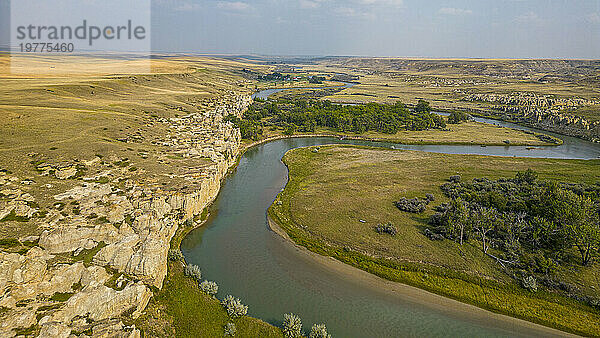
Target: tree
(290, 129)
(316, 79)
(193, 271)
(438, 121)
(234, 307)
(580, 220)
(512, 228)
(542, 232)
(422, 107)
(292, 326)
(457, 117)
(319, 331)
(230, 330)
(483, 220)
(527, 176)
(458, 220)
(210, 288)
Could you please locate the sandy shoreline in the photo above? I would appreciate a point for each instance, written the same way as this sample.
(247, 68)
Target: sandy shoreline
(420, 296)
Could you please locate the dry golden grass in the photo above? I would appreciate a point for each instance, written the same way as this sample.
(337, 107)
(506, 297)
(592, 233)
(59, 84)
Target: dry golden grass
(69, 118)
(75, 117)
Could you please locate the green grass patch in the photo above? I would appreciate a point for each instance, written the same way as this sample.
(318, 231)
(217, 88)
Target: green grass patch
(9, 243)
(12, 217)
(86, 256)
(102, 180)
(191, 313)
(61, 296)
(101, 220)
(31, 331)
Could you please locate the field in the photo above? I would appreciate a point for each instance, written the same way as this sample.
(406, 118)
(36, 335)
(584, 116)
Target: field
(333, 191)
(118, 125)
(113, 125)
(445, 82)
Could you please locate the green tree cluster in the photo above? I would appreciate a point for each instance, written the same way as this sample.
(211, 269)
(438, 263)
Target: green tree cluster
(306, 115)
(533, 223)
(457, 117)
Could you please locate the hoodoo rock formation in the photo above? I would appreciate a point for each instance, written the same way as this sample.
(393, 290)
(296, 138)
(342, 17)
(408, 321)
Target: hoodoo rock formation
(90, 269)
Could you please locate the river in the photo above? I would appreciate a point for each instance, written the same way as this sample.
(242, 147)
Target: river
(264, 94)
(238, 251)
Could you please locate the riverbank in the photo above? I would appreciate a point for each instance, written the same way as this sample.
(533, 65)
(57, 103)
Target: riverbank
(430, 137)
(563, 124)
(301, 223)
(415, 294)
(181, 309)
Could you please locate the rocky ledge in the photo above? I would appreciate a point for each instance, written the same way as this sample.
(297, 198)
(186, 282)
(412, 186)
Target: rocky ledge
(544, 112)
(104, 244)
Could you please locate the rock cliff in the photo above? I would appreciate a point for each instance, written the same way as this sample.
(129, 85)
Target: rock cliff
(95, 266)
(545, 112)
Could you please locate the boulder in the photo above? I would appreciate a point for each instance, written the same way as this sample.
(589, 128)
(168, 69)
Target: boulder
(100, 302)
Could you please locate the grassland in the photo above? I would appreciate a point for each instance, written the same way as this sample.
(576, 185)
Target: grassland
(107, 115)
(74, 118)
(332, 190)
(443, 82)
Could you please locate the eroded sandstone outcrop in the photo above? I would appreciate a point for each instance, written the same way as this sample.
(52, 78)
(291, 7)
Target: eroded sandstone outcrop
(545, 112)
(94, 265)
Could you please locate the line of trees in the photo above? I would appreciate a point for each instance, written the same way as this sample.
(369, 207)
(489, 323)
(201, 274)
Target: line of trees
(275, 76)
(316, 79)
(306, 115)
(457, 117)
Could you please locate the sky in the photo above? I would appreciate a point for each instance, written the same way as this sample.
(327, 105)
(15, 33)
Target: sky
(407, 28)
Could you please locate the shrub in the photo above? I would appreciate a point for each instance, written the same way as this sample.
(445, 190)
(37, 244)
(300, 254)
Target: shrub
(292, 326)
(319, 331)
(438, 219)
(458, 117)
(234, 307)
(432, 235)
(175, 255)
(210, 288)
(193, 271)
(455, 179)
(430, 197)
(387, 228)
(530, 283)
(414, 205)
(230, 330)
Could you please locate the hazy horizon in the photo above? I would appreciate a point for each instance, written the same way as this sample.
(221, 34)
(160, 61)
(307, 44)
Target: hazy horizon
(505, 29)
